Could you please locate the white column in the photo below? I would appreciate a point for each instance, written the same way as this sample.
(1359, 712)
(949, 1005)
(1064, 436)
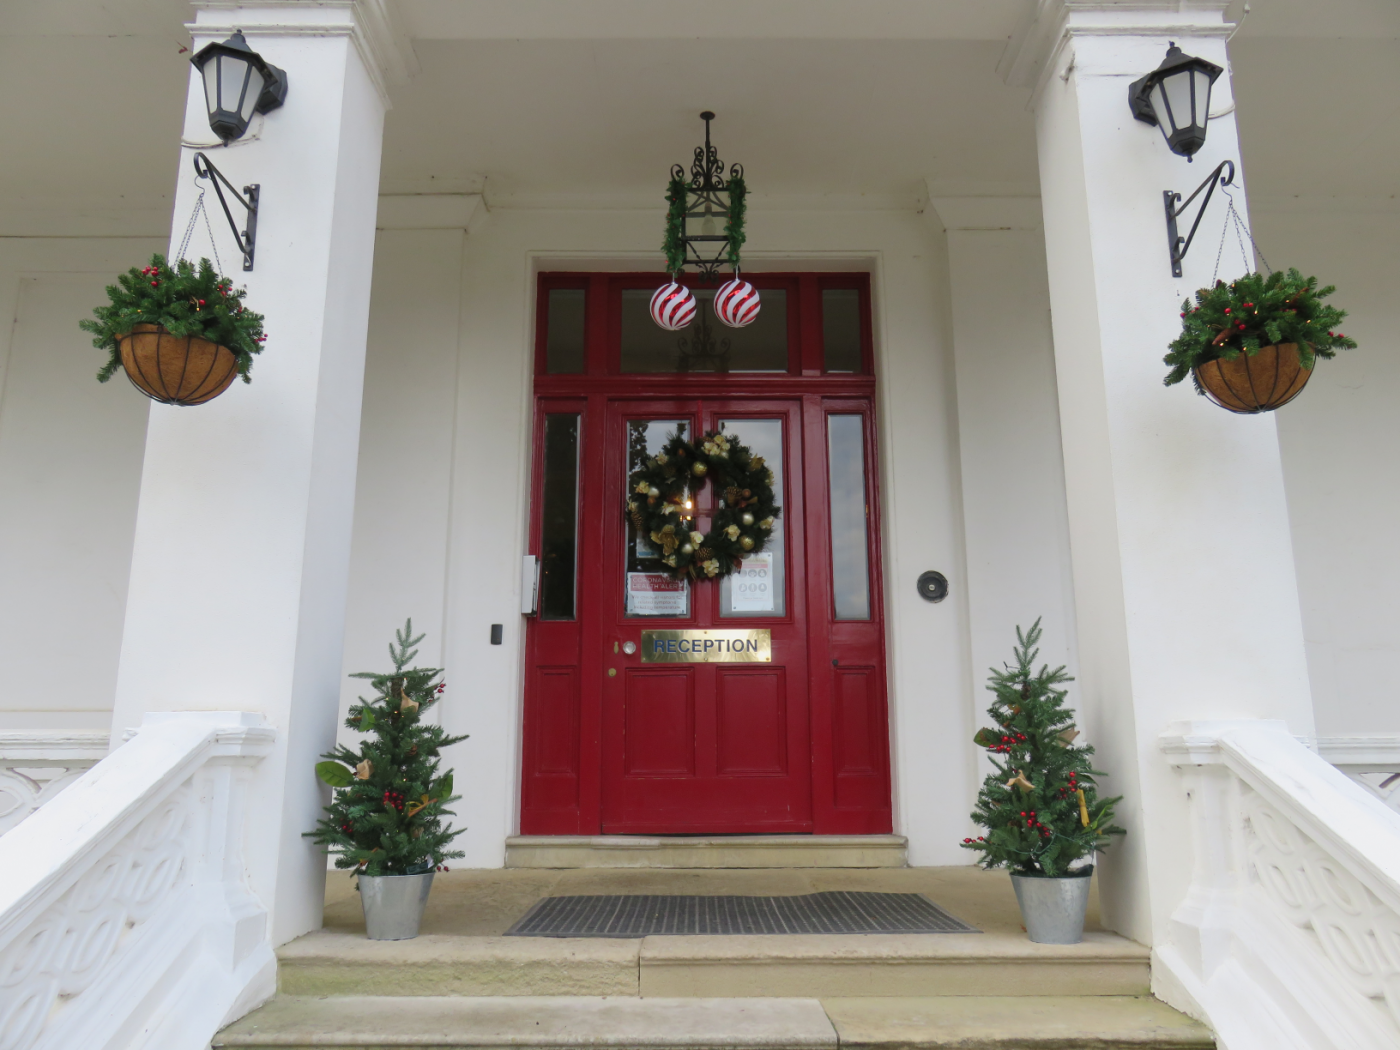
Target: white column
(1185, 588)
(238, 578)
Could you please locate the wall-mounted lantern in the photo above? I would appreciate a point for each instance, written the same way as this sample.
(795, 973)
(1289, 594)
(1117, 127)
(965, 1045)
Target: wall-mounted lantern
(237, 84)
(1176, 98)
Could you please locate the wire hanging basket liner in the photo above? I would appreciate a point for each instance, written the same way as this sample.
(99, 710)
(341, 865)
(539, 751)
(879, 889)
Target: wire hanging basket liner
(1258, 382)
(176, 370)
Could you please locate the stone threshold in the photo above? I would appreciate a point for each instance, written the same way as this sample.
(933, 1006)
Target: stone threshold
(338, 963)
(805, 1023)
(706, 851)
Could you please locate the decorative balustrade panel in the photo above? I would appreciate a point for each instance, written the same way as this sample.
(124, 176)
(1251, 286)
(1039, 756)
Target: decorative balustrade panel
(65, 948)
(1353, 928)
(128, 882)
(36, 766)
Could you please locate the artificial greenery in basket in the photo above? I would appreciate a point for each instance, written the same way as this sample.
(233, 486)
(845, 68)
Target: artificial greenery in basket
(385, 817)
(1040, 808)
(1232, 323)
(185, 300)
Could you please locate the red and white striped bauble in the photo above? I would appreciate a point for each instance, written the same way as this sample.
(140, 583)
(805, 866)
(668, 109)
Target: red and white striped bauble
(673, 306)
(736, 303)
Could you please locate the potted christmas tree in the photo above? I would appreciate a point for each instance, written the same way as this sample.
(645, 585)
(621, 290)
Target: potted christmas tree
(384, 821)
(1250, 346)
(1041, 807)
(181, 333)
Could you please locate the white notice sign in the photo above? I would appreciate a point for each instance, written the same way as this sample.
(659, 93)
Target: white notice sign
(751, 588)
(656, 594)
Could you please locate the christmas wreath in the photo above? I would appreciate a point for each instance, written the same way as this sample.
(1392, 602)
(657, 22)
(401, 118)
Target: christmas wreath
(658, 492)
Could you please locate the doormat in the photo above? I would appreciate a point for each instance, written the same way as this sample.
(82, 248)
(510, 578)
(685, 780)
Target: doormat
(648, 916)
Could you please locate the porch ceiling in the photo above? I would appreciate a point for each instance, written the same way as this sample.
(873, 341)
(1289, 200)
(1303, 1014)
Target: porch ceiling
(541, 104)
(552, 121)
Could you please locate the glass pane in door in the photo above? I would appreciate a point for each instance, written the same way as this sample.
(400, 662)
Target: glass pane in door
(758, 588)
(850, 564)
(705, 345)
(649, 587)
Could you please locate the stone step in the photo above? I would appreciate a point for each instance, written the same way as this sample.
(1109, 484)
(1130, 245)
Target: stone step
(998, 962)
(698, 851)
(962, 1022)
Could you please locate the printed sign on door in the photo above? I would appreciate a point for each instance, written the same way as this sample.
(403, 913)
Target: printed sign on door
(656, 594)
(751, 589)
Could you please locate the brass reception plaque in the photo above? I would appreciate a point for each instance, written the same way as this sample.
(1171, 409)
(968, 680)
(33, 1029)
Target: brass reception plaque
(708, 647)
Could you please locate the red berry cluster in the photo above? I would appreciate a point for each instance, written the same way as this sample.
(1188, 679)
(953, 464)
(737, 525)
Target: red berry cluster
(1006, 741)
(394, 798)
(440, 687)
(1034, 824)
(968, 842)
(442, 867)
(1071, 787)
(151, 271)
(347, 827)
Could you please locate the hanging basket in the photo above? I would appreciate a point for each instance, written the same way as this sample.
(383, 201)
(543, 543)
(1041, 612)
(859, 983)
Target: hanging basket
(176, 370)
(1259, 382)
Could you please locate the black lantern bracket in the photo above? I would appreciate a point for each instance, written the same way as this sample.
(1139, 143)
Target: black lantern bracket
(1223, 175)
(247, 239)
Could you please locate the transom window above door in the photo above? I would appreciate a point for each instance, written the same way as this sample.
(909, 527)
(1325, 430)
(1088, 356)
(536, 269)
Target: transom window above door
(600, 324)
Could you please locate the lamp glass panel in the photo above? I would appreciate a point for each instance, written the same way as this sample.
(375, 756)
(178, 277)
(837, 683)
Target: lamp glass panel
(211, 85)
(1178, 89)
(1202, 97)
(1160, 109)
(255, 86)
(232, 72)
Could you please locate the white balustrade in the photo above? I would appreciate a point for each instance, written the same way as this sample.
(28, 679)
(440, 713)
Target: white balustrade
(36, 766)
(1289, 935)
(125, 921)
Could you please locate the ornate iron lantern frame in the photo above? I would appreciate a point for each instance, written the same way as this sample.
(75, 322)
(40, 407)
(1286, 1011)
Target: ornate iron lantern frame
(698, 205)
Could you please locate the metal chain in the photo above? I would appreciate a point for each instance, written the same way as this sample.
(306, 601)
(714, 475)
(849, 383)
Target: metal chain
(195, 213)
(1235, 220)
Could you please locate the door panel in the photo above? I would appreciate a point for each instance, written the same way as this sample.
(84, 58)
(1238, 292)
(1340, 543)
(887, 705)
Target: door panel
(751, 730)
(659, 723)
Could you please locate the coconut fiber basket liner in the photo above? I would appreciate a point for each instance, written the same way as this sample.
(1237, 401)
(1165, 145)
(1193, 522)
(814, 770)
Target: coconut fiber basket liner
(176, 370)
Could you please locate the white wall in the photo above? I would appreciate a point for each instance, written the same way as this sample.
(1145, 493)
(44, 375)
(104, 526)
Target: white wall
(1341, 455)
(401, 519)
(70, 466)
(1012, 473)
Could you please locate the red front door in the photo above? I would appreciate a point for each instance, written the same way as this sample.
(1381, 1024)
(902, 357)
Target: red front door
(616, 744)
(705, 747)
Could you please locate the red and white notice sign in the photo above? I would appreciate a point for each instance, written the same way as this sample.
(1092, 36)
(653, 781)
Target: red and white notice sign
(656, 594)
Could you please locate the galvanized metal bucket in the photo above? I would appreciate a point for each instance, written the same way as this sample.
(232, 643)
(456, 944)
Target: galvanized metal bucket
(1053, 909)
(394, 904)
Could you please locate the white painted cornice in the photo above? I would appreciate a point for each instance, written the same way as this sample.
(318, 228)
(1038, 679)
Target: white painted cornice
(376, 27)
(987, 213)
(427, 211)
(1048, 25)
(52, 745)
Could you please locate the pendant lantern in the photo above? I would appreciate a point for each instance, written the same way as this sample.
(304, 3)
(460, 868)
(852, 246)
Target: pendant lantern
(705, 230)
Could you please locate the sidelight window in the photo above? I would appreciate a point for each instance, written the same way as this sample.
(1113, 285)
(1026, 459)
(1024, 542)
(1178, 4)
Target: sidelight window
(850, 559)
(559, 534)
